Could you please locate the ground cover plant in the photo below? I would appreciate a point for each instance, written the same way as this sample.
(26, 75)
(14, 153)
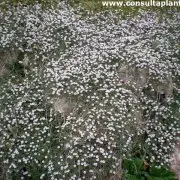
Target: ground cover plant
(84, 93)
(136, 169)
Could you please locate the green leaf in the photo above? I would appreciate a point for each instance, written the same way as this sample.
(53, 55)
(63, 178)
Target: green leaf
(133, 166)
(161, 178)
(162, 173)
(133, 177)
(154, 178)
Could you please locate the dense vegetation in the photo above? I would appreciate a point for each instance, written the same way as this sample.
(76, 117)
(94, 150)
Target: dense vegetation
(83, 94)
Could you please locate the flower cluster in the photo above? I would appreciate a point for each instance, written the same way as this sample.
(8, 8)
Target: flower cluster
(116, 80)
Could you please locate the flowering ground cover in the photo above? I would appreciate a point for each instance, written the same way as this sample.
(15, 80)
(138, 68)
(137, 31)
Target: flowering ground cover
(85, 93)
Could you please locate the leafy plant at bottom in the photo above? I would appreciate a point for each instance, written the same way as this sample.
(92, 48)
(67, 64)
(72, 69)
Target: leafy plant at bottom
(137, 169)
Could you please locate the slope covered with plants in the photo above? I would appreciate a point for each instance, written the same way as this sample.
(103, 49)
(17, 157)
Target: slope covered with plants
(79, 94)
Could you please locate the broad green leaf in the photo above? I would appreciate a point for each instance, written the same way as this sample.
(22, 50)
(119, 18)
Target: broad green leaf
(161, 172)
(133, 166)
(133, 177)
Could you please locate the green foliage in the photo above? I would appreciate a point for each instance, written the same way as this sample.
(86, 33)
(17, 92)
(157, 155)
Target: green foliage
(136, 169)
(45, 2)
(16, 69)
(4, 5)
(161, 173)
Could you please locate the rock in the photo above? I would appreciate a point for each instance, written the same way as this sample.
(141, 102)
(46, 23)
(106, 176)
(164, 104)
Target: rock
(5, 58)
(63, 105)
(133, 75)
(140, 78)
